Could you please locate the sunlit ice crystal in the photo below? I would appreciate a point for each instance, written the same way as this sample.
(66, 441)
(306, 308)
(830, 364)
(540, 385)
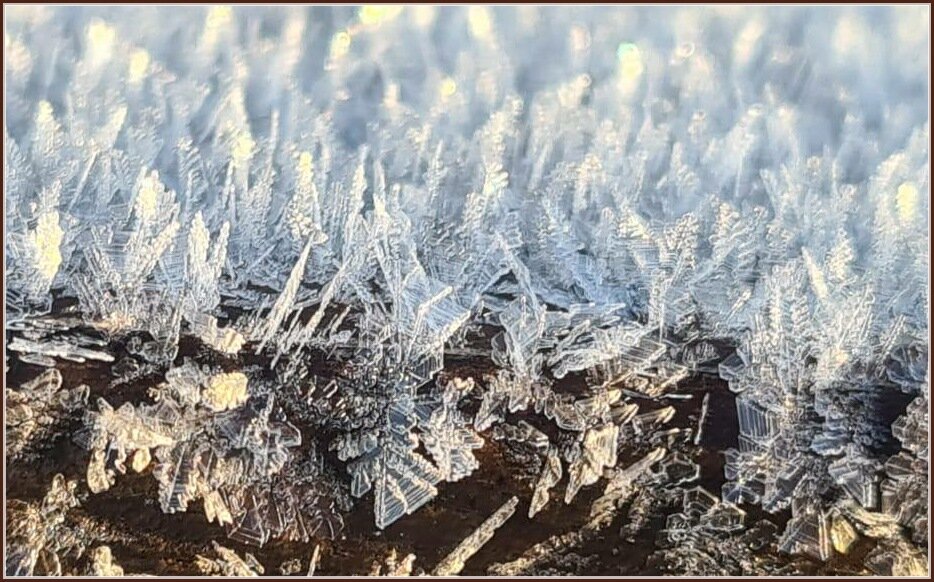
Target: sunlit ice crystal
(330, 218)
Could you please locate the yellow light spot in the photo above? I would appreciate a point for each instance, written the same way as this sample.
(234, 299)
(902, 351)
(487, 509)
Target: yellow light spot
(371, 14)
(376, 14)
(340, 44)
(44, 115)
(148, 197)
(481, 25)
(243, 148)
(219, 16)
(101, 38)
(630, 61)
(448, 87)
(47, 239)
(306, 169)
(140, 459)
(906, 200)
(225, 391)
(139, 63)
(230, 341)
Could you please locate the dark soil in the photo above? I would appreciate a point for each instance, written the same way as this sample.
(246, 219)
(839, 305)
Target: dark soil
(146, 540)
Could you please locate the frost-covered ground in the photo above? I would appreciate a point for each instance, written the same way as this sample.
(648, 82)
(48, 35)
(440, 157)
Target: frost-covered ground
(245, 249)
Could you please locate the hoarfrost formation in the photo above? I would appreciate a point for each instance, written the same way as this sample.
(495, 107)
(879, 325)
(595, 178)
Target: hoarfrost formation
(283, 266)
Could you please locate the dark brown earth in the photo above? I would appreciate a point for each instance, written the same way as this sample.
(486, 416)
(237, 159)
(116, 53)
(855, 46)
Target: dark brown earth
(145, 540)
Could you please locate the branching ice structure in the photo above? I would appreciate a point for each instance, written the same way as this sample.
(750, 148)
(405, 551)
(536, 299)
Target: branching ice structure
(670, 191)
(39, 536)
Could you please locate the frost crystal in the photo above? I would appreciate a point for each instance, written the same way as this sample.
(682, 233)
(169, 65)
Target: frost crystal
(40, 538)
(453, 563)
(421, 237)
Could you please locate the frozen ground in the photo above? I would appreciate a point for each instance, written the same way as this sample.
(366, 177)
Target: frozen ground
(631, 290)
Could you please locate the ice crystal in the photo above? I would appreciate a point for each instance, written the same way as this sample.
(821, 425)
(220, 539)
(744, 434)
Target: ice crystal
(229, 563)
(39, 536)
(211, 439)
(330, 215)
(34, 408)
(453, 563)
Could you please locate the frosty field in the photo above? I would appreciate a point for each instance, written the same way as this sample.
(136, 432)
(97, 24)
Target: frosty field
(466, 290)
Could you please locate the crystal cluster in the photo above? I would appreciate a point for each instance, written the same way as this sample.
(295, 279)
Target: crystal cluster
(282, 224)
